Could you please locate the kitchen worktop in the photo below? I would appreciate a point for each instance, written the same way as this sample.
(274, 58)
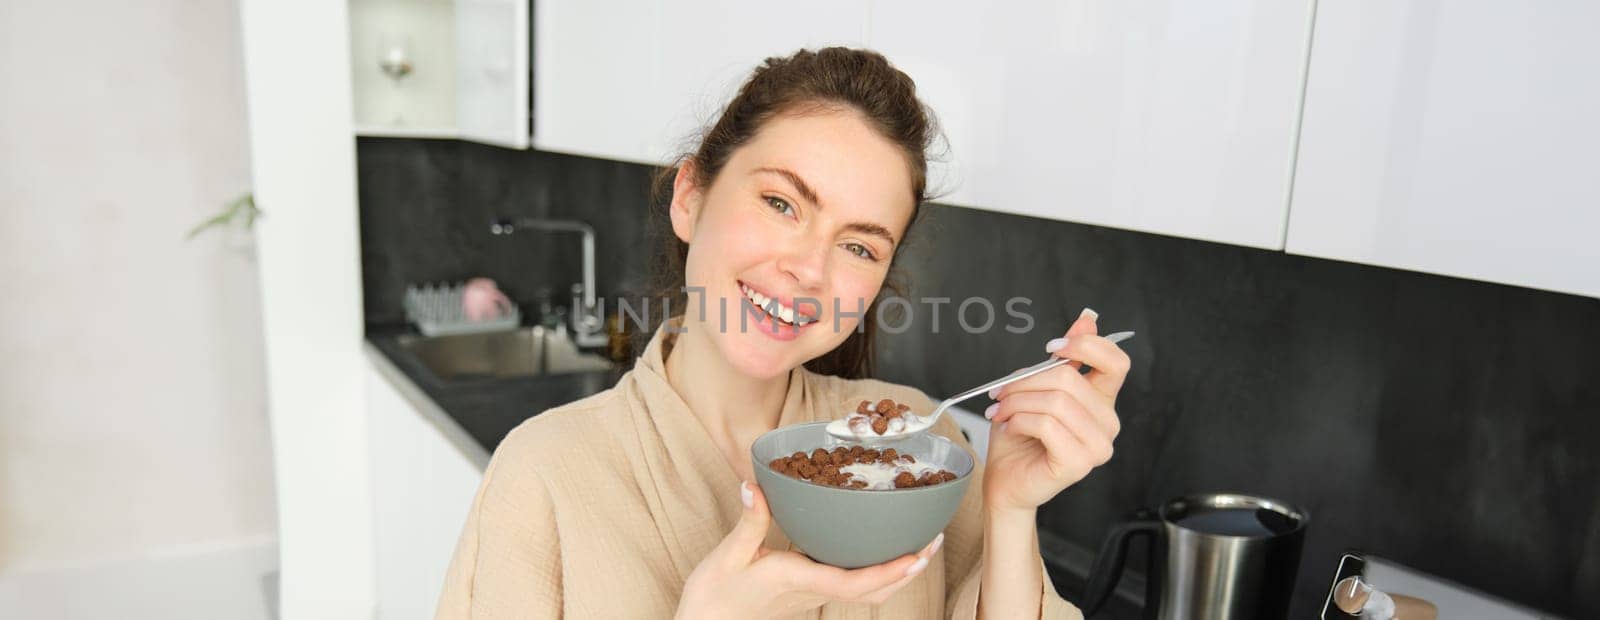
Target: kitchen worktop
(484, 409)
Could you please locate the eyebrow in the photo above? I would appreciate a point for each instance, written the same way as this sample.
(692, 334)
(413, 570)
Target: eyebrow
(866, 228)
(794, 179)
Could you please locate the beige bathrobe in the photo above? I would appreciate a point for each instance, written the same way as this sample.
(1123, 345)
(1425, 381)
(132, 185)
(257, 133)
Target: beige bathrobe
(601, 508)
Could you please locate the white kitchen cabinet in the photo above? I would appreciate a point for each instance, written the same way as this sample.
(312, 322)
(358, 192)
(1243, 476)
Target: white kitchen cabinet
(469, 64)
(636, 80)
(1455, 138)
(492, 66)
(1175, 118)
(594, 79)
(709, 47)
(422, 103)
(423, 488)
(1166, 118)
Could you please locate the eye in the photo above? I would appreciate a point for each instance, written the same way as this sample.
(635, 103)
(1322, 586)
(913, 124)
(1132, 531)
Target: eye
(780, 205)
(860, 250)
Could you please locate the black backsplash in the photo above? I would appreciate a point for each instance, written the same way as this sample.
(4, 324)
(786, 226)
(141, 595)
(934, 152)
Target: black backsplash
(1439, 422)
(426, 206)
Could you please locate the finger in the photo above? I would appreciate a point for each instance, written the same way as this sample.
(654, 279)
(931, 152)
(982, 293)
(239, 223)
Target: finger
(882, 594)
(1033, 401)
(1110, 362)
(994, 392)
(743, 544)
(1053, 379)
(1073, 392)
(1063, 406)
(1086, 323)
(1067, 455)
(1064, 451)
(1084, 442)
(925, 559)
(802, 573)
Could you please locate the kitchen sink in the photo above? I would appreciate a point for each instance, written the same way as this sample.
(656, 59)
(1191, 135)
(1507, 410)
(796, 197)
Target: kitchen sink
(523, 352)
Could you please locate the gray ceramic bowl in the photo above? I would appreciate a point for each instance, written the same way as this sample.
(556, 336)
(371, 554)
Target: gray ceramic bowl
(851, 528)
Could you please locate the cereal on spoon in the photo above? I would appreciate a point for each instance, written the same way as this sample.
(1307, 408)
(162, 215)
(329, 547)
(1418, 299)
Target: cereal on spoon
(883, 417)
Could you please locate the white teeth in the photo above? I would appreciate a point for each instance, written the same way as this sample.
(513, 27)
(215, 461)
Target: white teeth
(784, 313)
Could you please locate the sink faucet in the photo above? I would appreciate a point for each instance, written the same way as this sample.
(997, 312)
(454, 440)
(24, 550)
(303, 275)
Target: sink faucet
(586, 320)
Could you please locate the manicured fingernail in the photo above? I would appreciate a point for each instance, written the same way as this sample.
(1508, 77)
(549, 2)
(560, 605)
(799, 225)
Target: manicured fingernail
(988, 414)
(917, 567)
(1055, 344)
(938, 541)
(994, 392)
(746, 495)
(1089, 312)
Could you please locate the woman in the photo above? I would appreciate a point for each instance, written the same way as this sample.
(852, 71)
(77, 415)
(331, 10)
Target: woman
(639, 502)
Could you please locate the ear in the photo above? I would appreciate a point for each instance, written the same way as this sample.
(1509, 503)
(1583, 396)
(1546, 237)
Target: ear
(686, 201)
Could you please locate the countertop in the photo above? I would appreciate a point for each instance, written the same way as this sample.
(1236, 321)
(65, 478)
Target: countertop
(484, 410)
(475, 415)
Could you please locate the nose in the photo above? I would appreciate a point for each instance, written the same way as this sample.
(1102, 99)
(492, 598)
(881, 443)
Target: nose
(807, 262)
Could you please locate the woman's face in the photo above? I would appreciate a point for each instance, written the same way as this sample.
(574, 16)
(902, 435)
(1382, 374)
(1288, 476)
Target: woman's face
(807, 213)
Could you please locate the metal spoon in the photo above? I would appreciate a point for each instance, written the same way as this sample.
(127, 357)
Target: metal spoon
(916, 424)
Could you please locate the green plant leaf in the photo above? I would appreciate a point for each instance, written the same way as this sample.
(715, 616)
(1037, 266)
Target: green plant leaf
(243, 206)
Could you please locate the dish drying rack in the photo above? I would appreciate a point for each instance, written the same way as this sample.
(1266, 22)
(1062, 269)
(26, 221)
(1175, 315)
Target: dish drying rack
(436, 311)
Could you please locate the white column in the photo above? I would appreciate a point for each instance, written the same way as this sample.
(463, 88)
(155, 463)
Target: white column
(296, 55)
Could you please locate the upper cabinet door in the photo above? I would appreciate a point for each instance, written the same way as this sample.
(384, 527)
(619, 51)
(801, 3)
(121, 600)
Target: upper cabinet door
(709, 47)
(595, 80)
(636, 80)
(1455, 138)
(1169, 117)
(492, 71)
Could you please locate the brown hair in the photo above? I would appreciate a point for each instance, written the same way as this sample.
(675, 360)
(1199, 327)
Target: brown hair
(807, 82)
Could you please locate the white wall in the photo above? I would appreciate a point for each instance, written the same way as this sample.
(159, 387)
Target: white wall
(132, 403)
(302, 157)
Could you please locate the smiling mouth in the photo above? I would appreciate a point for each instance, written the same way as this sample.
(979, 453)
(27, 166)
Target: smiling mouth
(771, 307)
